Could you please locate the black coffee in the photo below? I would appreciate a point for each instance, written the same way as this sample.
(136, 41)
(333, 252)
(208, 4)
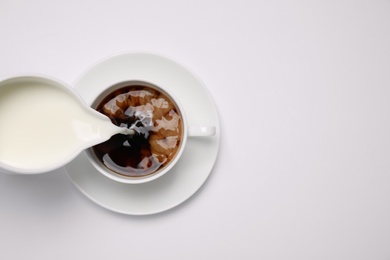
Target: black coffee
(158, 126)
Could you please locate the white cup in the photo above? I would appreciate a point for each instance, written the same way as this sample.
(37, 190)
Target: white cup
(187, 131)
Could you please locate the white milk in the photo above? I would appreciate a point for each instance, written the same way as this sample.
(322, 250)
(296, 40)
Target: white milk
(42, 126)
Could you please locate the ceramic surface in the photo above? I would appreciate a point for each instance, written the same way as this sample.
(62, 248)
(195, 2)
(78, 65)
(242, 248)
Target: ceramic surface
(198, 158)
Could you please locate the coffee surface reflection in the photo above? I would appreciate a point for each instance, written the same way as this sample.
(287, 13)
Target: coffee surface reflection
(158, 131)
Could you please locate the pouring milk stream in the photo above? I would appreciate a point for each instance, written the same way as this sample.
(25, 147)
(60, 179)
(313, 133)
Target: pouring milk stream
(44, 125)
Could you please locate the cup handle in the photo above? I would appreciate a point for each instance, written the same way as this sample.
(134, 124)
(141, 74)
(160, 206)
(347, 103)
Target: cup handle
(201, 130)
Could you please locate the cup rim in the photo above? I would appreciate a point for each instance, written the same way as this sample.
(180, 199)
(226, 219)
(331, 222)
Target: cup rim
(143, 179)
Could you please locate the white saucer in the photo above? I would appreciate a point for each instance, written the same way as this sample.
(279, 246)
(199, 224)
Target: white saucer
(199, 156)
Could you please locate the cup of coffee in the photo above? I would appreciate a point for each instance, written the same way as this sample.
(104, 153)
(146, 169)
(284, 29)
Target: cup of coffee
(160, 126)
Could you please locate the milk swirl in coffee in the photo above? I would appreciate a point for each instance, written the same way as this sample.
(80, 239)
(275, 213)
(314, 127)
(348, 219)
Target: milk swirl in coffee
(158, 131)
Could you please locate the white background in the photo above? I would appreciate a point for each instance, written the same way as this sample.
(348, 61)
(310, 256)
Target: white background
(302, 89)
